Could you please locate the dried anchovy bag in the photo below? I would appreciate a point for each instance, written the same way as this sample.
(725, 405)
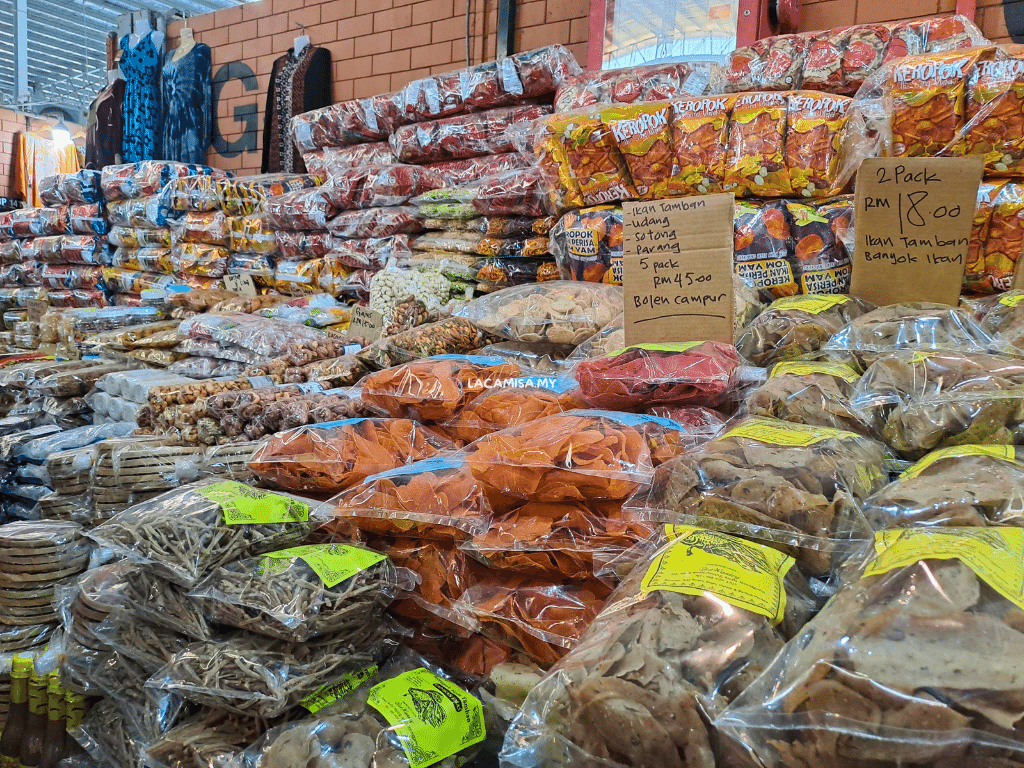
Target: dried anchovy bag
(301, 593)
(186, 533)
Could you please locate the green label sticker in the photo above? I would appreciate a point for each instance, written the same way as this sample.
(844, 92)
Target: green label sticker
(431, 717)
(1011, 298)
(675, 346)
(243, 505)
(333, 563)
(331, 692)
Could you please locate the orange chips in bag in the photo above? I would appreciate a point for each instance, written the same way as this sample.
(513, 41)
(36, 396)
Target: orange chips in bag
(328, 458)
(643, 135)
(813, 140)
(436, 388)
(595, 160)
(995, 115)
(564, 193)
(1005, 241)
(927, 102)
(756, 159)
(975, 277)
(578, 456)
(523, 400)
(436, 499)
(700, 130)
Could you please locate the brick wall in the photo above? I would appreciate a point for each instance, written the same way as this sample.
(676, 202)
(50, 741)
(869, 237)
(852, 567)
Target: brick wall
(822, 14)
(12, 123)
(376, 46)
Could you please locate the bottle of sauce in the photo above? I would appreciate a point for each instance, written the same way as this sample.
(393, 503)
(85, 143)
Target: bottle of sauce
(74, 704)
(35, 723)
(53, 745)
(10, 741)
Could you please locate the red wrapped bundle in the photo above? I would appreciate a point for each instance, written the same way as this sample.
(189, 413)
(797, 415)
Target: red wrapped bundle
(305, 209)
(330, 161)
(83, 219)
(646, 375)
(61, 276)
(377, 186)
(516, 193)
(299, 246)
(83, 249)
(348, 122)
(370, 253)
(639, 84)
(461, 137)
(377, 222)
(459, 172)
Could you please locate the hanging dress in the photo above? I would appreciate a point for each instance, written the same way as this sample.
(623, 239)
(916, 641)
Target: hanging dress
(141, 69)
(185, 128)
(104, 140)
(297, 84)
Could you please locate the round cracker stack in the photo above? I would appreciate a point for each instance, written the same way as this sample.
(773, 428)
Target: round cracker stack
(99, 593)
(34, 557)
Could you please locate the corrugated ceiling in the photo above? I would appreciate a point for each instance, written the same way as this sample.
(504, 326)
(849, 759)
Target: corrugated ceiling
(67, 45)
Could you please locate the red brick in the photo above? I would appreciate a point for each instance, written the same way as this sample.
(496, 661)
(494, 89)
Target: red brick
(531, 14)
(272, 25)
(869, 11)
(432, 10)
(371, 45)
(392, 19)
(567, 9)
(284, 6)
(227, 16)
(395, 61)
(216, 37)
(282, 41)
(371, 86)
(410, 37)
(246, 30)
(579, 30)
(372, 6)
(322, 34)
(357, 26)
(264, 65)
(579, 50)
(341, 50)
(356, 68)
(306, 17)
(448, 66)
(537, 37)
(337, 9)
(232, 52)
(825, 15)
(257, 10)
(429, 55)
(203, 23)
(449, 29)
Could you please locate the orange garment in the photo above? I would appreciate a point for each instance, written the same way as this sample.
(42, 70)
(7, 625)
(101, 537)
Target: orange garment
(35, 159)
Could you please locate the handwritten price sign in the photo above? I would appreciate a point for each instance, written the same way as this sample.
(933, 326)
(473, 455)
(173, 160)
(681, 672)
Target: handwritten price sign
(913, 228)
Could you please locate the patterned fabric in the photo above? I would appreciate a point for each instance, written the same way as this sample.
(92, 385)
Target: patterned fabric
(185, 125)
(104, 135)
(282, 150)
(297, 84)
(141, 68)
(37, 158)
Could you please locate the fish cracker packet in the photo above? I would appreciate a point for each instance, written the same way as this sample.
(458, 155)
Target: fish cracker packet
(596, 164)
(541, 617)
(957, 486)
(643, 134)
(511, 403)
(797, 488)
(909, 664)
(438, 498)
(558, 312)
(700, 130)
(756, 151)
(575, 456)
(436, 388)
(997, 238)
(328, 458)
(687, 631)
(814, 140)
(920, 401)
(648, 375)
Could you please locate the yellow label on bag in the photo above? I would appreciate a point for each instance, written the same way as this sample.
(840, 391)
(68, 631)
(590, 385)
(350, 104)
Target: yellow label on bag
(680, 346)
(331, 692)
(742, 573)
(813, 305)
(802, 368)
(996, 555)
(783, 433)
(243, 505)
(1011, 299)
(431, 717)
(954, 452)
(333, 563)
(920, 357)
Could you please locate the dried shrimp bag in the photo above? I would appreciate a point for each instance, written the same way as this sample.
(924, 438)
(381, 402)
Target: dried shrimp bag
(687, 632)
(815, 393)
(959, 486)
(186, 533)
(796, 326)
(328, 458)
(300, 593)
(252, 675)
(911, 663)
(792, 486)
(919, 401)
(919, 326)
(557, 312)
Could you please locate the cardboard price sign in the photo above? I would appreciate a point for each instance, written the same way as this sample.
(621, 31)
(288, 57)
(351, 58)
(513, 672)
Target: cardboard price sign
(243, 284)
(913, 227)
(366, 324)
(677, 269)
(35, 309)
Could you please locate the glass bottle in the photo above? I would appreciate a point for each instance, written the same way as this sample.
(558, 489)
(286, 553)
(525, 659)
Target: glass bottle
(74, 704)
(35, 723)
(10, 741)
(53, 745)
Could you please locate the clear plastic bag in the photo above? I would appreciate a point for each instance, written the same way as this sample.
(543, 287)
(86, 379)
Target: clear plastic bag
(330, 161)
(295, 343)
(212, 228)
(457, 173)
(328, 458)
(451, 336)
(64, 188)
(133, 237)
(252, 235)
(303, 209)
(675, 643)
(377, 222)
(212, 738)
(296, 246)
(349, 122)
(197, 194)
(246, 196)
(862, 685)
(376, 186)
(301, 593)
(797, 326)
(333, 405)
(371, 253)
(628, 85)
(184, 535)
(512, 404)
(145, 212)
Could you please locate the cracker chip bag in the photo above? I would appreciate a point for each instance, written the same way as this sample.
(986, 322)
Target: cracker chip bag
(756, 159)
(562, 190)
(700, 129)
(975, 276)
(995, 115)
(596, 163)
(1005, 240)
(819, 237)
(643, 135)
(814, 137)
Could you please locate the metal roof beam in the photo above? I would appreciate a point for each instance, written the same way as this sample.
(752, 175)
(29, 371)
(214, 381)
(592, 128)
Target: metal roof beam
(45, 8)
(21, 91)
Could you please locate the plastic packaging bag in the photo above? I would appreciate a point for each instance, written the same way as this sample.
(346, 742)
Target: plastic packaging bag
(145, 212)
(797, 326)
(213, 228)
(64, 188)
(330, 161)
(436, 498)
(648, 375)
(557, 312)
(332, 405)
(301, 593)
(303, 209)
(512, 403)
(457, 173)
(328, 458)
(628, 85)
(296, 344)
(297, 246)
(451, 336)
(245, 196)
(194, 193)
(371, 253)
(349, 122)
(188, 532)
(376, 186)
(131, 237)
(377, 222)
(587, 245)
(252, 235)
(662, 658)
(866, 663)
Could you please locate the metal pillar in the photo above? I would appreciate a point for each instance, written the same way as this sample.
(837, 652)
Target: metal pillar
(21, 89)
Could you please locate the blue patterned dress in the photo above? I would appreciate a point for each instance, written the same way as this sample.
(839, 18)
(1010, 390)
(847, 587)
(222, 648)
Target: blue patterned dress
(141, 69)
(185, 131)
